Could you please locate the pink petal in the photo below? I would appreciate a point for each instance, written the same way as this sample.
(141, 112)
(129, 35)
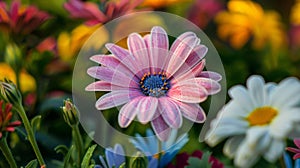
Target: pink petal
(192, 111)
(139, 50)
(180, 50)
(10, 129)
(116, 98)
(103, 86)
(170, 112)
(294, 150)
(212, 75)
(192, 73)
(192, 60)
(113, 76)
(112, 62)
(128, 112)
(161, 128)
(15, 12)
(188, 92)
(297, 142)
(159, 48)
(147, 108)
(296, 156)
(210, 85)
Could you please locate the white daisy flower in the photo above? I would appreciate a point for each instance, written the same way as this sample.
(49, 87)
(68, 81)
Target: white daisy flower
(257, 120)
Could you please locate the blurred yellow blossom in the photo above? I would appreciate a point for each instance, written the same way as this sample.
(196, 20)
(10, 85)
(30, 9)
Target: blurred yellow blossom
(68, 44)
(247, 19)
(27, 82)
(295, 13)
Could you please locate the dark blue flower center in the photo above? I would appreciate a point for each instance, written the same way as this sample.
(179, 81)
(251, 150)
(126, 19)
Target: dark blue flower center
(155, 85)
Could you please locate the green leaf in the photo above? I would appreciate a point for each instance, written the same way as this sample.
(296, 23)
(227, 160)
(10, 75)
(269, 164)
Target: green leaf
(195, 162)
(87, 157)
(122, 165)
(63, 149)
(68, 157)
(36, 122)
(32, 164)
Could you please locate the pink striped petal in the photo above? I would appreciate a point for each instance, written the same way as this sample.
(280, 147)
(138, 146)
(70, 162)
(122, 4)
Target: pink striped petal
(113, 76)
(188, 92)
(116, 98)
(210, 85)
(170, 112)
(209, 74)
(197, 54)
(139, 50)
(123, 55)
(128, 112)
(147, 108)
(103, 86)
(159, 48)
(191, 73)
(161, 128)
(112, 62)
(180, 50)
(192, 111)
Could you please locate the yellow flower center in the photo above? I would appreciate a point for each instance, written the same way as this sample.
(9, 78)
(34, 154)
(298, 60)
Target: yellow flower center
(261, 116)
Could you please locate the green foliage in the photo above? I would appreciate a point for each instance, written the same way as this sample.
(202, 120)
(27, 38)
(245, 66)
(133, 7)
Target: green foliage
(32, 164)
(195, 162)
(87, 157)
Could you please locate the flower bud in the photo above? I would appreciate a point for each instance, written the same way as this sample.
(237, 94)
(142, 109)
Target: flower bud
(13, 56)
(10, 93)
(138, 161)
(70, 113)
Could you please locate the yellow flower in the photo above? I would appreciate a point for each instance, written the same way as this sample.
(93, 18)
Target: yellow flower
(246, 19)
(295, 14)
(69, 44)
(27, 82)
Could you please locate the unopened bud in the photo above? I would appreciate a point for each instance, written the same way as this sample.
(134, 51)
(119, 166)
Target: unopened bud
(10, 93)
(70, 113)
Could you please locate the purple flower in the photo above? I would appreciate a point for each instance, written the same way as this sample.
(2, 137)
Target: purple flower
(91, 12)
(156, 84)
(295, 150)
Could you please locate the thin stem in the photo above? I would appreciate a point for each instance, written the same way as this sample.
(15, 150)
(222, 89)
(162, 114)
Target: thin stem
(30, 134)
(78, 142)
(18, 79)
(7, 153)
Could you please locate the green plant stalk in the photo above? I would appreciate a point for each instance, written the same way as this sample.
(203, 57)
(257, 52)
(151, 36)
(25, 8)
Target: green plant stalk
(30, 134)
(7, 153)
(78, 142)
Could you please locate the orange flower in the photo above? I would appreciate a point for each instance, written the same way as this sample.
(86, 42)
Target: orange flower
(5, 117)
(160, 3)
(247, 19)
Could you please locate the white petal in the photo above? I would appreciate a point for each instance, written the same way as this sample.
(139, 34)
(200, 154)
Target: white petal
(256, 90)
(232, 145)
(241, 95)
(275, 150)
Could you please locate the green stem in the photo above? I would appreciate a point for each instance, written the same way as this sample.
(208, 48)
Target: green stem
(30, 134)
(78, 142)
(7, 153)
(18, 79)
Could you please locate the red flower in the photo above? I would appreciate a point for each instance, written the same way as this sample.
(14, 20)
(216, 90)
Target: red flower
(5, 117)
(295, 150)
(91, 12)
(20, 19)
(182, 160)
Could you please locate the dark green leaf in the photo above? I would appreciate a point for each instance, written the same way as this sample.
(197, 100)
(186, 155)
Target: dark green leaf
(67, 157)
(63, 149)
(195, 162)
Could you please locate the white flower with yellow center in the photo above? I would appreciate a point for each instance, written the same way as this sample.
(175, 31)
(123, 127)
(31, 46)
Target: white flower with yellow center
(257, 120)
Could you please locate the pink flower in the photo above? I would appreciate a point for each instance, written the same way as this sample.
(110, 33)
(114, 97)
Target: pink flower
(91, 12)
(156, 84)
(295, 150)
(21, 19)
(203, 11)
